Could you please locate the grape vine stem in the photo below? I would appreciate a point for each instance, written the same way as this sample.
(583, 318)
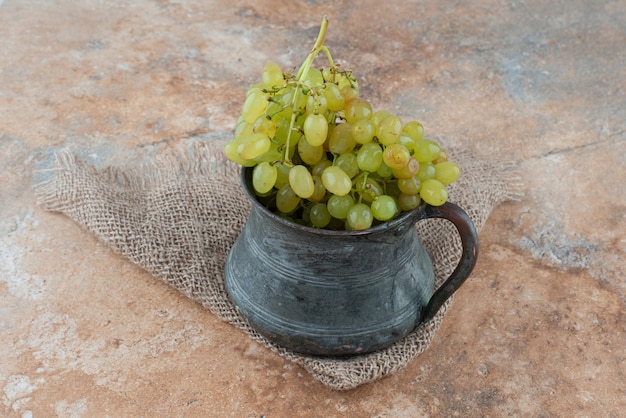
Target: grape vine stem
(303, 72)
(317, 47)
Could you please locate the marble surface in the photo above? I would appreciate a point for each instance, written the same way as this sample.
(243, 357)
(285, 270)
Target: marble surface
(537, 331)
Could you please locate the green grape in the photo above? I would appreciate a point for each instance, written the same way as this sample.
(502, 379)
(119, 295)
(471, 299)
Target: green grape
(396, 156)
(310, 154)
(265, 125)
(319, 168)
(408, 201)
(389, 130)
(408, 171)
(282, 129)
(314, 78)
(319, 215)
(315, 129)
(447, 172)
(319, 191)
(369, 157)
(243, 130)
(408, 142)
(349, 93)
(254, 106)
(378, 116)
(384, 171)
(299, 123)
(443, 157)
(282, 133)
(329, 74)
(347, 162)
(301, 181)
(264, 177)
(285, 97)
(359, 217)
(346, 79)
(301, 100)
(426, 171)
(409, 186)
(272, 75)
(384, 208)
(426, 150)
(267, 198)
(338, 206)
(275, 108)
(336, 181)
(316, 103)
(254, 146)
(414, 129)
(433, 192)
(230, 150)
(282, 176)
(340, 139)
(363, 131)
(275, 153)
(334, 99)
(356, 110)
(368, 188)
(286, 199)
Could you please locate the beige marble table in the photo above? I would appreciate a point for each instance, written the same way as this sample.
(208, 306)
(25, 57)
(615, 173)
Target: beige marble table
(537, 331)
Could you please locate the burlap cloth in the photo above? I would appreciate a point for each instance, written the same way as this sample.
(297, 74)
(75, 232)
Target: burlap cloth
(178, 215)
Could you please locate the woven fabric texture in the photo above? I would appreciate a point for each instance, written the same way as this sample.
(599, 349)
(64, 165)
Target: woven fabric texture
(178, 216)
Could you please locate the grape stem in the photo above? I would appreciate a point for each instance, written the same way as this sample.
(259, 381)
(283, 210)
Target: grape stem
(317, 47)
(328, 56)
(303, 72)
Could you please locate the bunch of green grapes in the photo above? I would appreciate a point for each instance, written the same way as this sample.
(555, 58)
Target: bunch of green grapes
(323, 158)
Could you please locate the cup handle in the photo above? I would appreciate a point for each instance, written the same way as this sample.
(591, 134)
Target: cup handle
(469, 243)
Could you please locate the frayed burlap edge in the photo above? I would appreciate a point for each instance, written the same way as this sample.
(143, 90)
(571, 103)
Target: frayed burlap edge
(60, 191)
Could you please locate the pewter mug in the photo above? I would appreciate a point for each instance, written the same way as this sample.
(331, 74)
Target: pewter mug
(339, 293)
